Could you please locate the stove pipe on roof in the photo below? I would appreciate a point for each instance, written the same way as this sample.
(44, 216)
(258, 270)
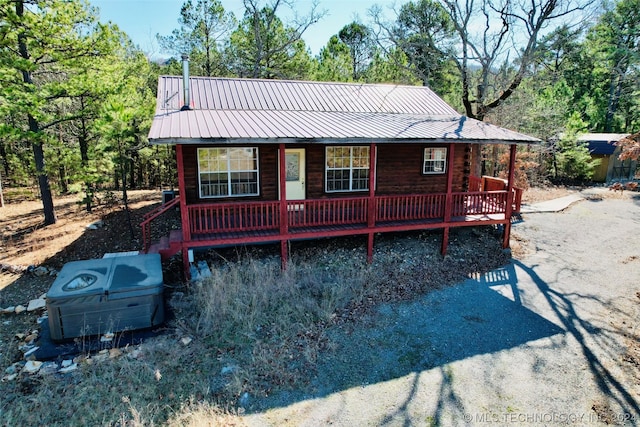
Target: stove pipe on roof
(185, 83)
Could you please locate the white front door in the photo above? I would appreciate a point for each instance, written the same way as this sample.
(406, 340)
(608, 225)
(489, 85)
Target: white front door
(295, 162)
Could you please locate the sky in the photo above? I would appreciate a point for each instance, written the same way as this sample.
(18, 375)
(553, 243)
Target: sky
(143, 19)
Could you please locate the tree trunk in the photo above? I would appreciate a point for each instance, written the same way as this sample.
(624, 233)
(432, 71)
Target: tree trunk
(5, 162)
(34, 127)
(43, 178)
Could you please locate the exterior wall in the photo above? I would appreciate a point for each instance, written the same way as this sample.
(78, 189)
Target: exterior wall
(600, 174)
(399, 171)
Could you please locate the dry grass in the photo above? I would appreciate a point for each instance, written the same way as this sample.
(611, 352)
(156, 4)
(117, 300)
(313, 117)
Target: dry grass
(256, 329)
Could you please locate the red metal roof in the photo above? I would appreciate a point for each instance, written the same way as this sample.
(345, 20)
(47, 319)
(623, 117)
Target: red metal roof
(267, 111)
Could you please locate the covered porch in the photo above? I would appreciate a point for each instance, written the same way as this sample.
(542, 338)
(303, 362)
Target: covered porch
(487, 201)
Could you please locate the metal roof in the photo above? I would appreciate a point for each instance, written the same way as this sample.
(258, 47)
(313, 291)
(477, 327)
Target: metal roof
(602, 143)
(266, 111)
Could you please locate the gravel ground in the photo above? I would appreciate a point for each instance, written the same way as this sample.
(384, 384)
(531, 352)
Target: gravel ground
(550, 339)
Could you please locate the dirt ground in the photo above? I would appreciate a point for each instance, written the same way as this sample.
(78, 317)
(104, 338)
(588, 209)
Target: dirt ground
(551, 339)
(597, 373)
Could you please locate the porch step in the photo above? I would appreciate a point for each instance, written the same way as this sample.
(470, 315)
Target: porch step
(175, 236)
(167, 246)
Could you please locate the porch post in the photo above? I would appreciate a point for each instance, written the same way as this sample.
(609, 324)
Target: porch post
(449, 200)
(371, 213)
(509, 208)
(284, 221)
(184, 214)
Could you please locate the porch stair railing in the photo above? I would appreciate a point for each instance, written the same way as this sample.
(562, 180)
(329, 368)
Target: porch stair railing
(168, 245)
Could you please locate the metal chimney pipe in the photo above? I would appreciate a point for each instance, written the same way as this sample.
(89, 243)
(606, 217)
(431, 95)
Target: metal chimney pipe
(185, 83)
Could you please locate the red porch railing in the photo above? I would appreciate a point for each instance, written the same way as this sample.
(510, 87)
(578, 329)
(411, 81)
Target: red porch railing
(221, 218)
(150, 216)
(233, 217)
(327, 212)
(410, 208)
(479, 203)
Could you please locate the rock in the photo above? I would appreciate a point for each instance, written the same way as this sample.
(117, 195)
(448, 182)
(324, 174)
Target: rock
(13, 369)
(8, 310)
(67, 369)
(186, 341)
(30, 352)
(36, 304)
(30, 338)
(115, 353)
(9, 377)
(108, 337)
(95, 225)
(20, 309)
(32, 366)
(41, 271)
(66, 363)
(48, 368)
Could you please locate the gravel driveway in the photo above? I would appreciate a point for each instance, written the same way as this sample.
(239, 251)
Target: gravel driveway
(551, 339)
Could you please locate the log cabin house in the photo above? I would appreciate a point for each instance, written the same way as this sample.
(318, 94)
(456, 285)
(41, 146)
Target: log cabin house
(277, 161)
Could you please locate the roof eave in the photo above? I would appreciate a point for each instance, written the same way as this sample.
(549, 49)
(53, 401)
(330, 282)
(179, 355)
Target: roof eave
(341, 141)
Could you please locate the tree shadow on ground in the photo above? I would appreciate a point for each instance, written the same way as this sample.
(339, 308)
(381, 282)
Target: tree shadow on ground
(565, 309)
(480, 316)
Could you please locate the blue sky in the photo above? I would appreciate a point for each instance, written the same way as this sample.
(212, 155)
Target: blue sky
(143, 19)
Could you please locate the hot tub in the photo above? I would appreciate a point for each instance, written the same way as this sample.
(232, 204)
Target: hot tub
(99, 296)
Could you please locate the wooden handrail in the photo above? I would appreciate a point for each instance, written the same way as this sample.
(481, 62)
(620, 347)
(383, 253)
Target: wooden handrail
(150, 216)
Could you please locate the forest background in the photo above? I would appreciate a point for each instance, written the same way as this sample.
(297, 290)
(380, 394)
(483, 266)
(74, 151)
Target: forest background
(77, 96)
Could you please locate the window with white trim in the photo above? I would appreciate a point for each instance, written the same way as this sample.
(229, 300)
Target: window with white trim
(435, 160)
(228, 171)
(347, 168)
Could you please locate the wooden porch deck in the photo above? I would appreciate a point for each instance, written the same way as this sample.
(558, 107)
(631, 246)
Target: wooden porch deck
(221, 224)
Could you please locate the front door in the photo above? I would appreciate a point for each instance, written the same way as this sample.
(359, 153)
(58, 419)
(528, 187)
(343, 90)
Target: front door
(295, 159)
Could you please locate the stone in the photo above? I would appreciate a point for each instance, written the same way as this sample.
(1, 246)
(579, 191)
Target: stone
(108, 337)
(186, 341)
(8, 310)
(115, 353)
(67, 369)
(32, 366)
(66, 363)
(30, 352)
(20, 309)
(41, 271)
(48, 368)
(9, 377)
(36, 304)
(95, 225)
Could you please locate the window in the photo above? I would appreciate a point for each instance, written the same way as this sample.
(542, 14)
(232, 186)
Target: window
(435, 160)
(229, 171)
(347, 169)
